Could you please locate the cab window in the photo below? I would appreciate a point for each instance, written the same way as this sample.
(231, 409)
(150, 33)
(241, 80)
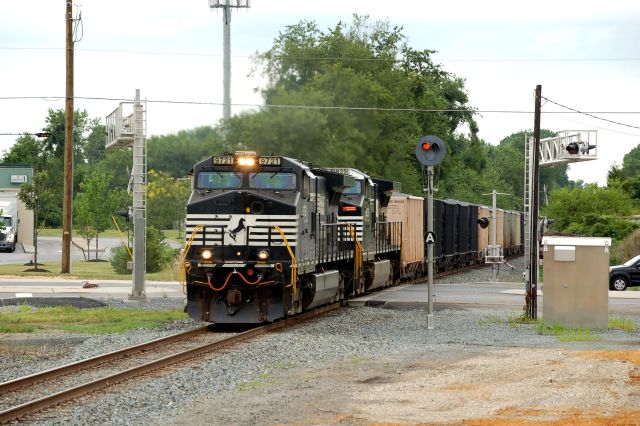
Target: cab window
(219, 180)
(271, 180)
(354, 189)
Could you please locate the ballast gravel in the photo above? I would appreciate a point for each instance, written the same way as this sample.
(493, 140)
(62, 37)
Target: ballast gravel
(350, 336)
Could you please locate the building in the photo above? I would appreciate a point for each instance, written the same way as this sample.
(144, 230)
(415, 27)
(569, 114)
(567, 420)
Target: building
(11, 177)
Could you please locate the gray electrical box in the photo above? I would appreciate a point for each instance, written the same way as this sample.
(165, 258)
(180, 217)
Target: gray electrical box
(576, 281)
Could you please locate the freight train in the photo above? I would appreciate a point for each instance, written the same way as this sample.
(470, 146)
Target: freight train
(270, 236)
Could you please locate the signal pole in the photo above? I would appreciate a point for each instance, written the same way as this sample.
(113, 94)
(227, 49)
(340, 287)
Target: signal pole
(226, 6)
(430, 151)
(67, 202)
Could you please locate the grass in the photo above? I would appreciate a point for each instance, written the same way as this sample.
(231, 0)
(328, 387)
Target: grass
(86, 270)
(512, 320)
(249, 385)
(68, 319)
(562, 333)
(622, 324)
(568, 334)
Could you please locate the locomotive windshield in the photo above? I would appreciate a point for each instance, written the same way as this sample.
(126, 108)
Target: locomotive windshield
(234, 180)
(356, 189)
(219, 180)
(271, 180)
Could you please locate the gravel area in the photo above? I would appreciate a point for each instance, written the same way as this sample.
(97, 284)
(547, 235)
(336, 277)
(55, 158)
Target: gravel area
(508, 275)
(363, 365)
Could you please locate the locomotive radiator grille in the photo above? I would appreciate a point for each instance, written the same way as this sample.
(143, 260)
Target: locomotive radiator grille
(356, 221)
(251, 230)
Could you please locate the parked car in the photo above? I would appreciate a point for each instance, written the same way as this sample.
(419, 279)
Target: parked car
(625, 275)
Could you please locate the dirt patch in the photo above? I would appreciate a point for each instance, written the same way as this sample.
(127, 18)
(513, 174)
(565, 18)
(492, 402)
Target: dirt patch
(456, 386)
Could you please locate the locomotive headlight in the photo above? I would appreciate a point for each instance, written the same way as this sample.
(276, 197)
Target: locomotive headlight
(206, 254)
(246, 161)
(263, 255)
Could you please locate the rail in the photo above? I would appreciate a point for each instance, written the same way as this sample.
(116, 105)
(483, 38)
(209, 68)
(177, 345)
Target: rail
(31, 407)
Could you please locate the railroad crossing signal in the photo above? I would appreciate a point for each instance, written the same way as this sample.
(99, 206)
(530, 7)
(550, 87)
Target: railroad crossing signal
(431, 150)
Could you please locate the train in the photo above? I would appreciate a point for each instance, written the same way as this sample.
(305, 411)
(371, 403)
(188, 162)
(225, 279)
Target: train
(269, 237)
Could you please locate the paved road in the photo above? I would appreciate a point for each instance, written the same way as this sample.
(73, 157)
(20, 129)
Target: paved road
(50, 250)
(483, 294)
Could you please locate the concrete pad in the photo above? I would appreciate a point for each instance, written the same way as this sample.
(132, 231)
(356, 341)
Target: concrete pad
(612, 294)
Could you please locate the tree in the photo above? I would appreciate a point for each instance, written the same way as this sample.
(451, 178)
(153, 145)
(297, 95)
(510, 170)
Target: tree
(95, 205)
(592, 211)
(36, 196)
(341, 70)
(166, 200)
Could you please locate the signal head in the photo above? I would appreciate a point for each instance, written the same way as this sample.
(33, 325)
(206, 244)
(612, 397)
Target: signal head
(573, 148)
(483, 222)
(430, 150)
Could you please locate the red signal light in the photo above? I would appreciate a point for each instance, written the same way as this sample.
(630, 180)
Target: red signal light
(426, 146)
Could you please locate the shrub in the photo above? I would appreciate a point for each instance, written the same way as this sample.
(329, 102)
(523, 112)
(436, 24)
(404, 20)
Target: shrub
(159, 254)
(627, 249)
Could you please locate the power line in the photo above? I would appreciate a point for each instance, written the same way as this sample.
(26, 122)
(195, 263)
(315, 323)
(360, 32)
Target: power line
(334, 58)
(321, 107)
(590, 114)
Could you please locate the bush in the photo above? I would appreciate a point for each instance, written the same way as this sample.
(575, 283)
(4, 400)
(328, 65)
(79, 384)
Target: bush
(594, 225)
(159, 254)
(627, 249)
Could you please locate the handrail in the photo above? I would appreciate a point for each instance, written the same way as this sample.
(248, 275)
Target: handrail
(184, 268)
(121, 237)
(358, 251)
(294, 266)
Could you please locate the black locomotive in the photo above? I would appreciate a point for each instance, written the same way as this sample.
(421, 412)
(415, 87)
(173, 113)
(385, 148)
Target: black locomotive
(269, 237)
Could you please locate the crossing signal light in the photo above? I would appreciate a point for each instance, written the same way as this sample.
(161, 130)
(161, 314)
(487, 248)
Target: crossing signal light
(483, 222)
(573, 148)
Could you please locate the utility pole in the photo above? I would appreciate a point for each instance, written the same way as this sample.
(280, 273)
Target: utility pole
(532, 285)
(67, 203)
(226, 6)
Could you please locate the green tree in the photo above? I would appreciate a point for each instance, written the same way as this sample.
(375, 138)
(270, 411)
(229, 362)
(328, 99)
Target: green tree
(341, 70)
(590, 211)
(166, 200)
(36, 197)
(176, 154)
(95, 205)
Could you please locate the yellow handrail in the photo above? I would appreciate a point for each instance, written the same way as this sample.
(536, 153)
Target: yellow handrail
(294, 266)
(358, 250)
(122, 236)
(184, 267)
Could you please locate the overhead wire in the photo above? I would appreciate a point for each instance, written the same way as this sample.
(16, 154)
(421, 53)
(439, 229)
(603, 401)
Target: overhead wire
(323, 107)
(591, 114)
(333, 58)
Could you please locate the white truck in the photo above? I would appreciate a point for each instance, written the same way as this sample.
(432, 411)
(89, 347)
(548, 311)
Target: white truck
(9, 224)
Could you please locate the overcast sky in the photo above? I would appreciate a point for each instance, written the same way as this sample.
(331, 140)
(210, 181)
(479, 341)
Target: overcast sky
(585, 54)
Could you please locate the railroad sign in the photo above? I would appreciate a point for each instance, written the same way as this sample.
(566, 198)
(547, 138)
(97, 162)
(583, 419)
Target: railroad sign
(431, 237)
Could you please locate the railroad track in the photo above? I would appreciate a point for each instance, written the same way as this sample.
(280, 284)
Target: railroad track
(31, 394)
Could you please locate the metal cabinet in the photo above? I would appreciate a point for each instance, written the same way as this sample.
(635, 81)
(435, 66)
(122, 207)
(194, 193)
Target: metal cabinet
(576, 281)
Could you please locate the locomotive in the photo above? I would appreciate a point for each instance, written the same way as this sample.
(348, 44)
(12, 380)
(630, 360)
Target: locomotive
(270, 236)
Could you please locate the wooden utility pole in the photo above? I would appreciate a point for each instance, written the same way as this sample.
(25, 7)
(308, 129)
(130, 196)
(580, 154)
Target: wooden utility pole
(532, 287)
(67, 203)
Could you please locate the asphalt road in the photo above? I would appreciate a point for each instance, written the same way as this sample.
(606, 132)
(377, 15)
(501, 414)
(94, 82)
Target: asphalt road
(50, 250)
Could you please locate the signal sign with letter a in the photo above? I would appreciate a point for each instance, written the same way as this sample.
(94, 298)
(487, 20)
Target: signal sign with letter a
(430, 238)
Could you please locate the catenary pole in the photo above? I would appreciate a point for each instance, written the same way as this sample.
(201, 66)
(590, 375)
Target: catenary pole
(67, 202)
